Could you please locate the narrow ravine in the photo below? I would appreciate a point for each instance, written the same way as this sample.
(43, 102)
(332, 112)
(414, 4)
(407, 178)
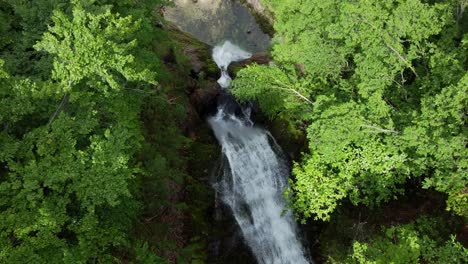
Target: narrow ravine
(254, 177)
(254, 171)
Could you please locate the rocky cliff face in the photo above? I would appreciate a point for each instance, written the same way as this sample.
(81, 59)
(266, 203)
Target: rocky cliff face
(214, 21)
(256, 5)
(263, 15)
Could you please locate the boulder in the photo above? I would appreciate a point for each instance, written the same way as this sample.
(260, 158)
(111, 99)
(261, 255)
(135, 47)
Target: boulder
(257, 58)
(262, 14)
(204, 99)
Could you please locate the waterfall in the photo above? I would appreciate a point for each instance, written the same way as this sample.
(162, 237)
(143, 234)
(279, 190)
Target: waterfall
(223, 56)
(254, 178)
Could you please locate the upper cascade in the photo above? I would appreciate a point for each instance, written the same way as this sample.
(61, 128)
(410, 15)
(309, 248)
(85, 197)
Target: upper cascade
(223, 56)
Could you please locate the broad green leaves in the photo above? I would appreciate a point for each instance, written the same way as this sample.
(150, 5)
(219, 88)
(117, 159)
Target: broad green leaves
(68, 167)
(385, 94)
(94, 47)
(315, 183)
(302, 39)
(439, 140)
(107, 169)
(408, 244)
(276, 89)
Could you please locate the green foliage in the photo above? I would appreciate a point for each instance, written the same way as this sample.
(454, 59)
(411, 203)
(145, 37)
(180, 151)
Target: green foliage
(278, 90)
(438, 137)
(194, 253)
(381, 86)
(3, 74)
(313, 183)
(408, 244)
(70, 170)
(92, 45)
(145, 255)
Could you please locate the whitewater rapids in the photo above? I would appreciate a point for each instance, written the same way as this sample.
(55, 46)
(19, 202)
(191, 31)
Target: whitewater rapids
(254, 178)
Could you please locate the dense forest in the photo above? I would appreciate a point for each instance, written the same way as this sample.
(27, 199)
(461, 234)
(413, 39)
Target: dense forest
(90, 130)
(97, 163)
(381, 89)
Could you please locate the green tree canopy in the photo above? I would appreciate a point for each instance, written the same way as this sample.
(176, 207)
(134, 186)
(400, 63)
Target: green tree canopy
(69, 144)
(382, 87)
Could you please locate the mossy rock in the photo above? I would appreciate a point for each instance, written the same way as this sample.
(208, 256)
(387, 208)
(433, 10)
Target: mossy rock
(264, 17)
(197, 52)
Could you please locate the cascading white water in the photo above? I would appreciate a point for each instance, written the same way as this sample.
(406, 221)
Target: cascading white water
(223, 56)
(254, 180)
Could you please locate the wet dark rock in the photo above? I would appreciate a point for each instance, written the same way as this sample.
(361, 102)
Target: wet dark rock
(463, 236)
(229, 246)
(159, 24)
(257, 58)
(204, 100)
(170, 57)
